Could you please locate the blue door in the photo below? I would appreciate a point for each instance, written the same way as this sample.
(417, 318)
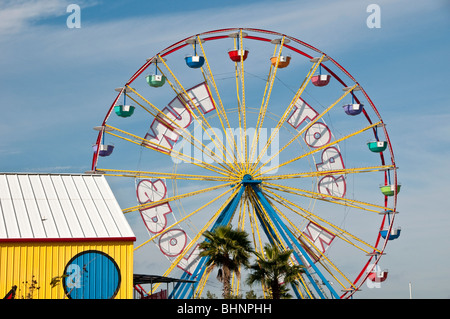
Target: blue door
(91, 274)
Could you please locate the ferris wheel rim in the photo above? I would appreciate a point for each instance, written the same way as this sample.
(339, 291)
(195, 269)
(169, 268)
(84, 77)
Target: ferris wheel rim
(171, 49)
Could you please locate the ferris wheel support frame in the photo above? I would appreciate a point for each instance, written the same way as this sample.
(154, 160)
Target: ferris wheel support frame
(223, 219)
(290, 239)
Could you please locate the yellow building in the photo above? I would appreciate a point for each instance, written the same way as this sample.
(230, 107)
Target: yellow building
(63, 236)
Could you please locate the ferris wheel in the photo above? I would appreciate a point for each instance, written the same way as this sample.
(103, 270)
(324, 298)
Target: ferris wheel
(258, 130)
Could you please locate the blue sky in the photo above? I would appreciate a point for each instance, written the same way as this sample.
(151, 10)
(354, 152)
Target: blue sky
(57, 84)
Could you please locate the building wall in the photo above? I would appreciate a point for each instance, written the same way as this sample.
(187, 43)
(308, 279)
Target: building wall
(22, 262)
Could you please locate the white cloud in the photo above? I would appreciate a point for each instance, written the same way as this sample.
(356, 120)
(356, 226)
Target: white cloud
(328, 26)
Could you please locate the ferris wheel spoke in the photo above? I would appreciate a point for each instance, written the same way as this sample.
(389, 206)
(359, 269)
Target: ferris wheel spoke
(344, 171)
(273, 235)
(311, 123)
(143, 107)
(200, 233)
(164, 150)
(266, 97)
(240, 96)
(201, 284)
(241, 99)
(271, 232)
(288, 240)
(288, 111)
(313, 249)
(329, 198)
(185, 218)
(316, 253)
(307, 215)
(157, 175)
(282, 245)
(319, 148)
(243, 209)
(221, 114)
(328, 265)
(176, 197)
(190, 104)
(170, 123)
(331, 228)
(268, 227)
(256, 235)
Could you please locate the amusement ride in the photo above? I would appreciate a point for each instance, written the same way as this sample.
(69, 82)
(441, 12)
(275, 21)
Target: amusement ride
(266, 133)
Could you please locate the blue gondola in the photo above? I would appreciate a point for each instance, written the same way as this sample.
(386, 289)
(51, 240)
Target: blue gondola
(194, 61)
(394, 234)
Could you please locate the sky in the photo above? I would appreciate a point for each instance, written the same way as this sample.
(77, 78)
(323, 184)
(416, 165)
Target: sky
(58, 82)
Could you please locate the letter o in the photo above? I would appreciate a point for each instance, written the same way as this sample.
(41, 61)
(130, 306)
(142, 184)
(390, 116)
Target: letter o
(318, 135)
(172, 242)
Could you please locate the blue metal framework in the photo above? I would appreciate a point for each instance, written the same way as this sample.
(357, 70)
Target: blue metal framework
(181, 290)
(267, 217)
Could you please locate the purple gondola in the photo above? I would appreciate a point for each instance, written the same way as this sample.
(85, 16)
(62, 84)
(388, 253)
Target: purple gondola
(353, 109)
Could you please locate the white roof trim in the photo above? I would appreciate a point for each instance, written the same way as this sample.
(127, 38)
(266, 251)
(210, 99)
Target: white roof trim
(59, 206)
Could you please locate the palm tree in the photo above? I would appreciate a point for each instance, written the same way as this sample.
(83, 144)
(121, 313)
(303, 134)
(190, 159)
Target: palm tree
(228, 250)
(274, 270)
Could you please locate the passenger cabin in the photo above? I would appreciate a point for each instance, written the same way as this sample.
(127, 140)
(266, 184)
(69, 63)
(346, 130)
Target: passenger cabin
(377, 146)
(104, 150)
(124, 110)
(320, 79)
(353, 108)
(393, 234)
(389, 190)
(194, 61)
(155, 80)
(378, 276)
(237, 55)
(281, 62)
